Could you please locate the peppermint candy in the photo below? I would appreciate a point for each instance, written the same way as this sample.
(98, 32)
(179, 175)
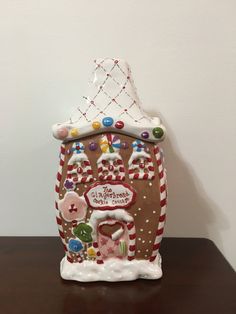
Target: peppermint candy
(138, 146)
(77, 148)
(110, 143)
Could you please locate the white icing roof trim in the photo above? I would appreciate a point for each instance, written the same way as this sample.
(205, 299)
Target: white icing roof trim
(112, 95)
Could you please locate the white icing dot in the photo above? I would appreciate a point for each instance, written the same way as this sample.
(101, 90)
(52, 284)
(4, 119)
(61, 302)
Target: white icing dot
(143, 241)
(146, 250)
(90, 211)
(141, 230)
(145, 255)
(147, 220)
(85, 185)
(149, 231)
(139, 251)
(150, 241)
(61, 194)
(135, 214)
(139, 208)
(65, 231)
(131, 182)
(94, 179)
(150, 183)
(65, 224)
(139, 239)
(154, 212)
(144, 196)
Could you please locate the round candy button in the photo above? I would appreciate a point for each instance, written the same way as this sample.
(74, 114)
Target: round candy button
(74, 132)
(93, 146)
(62, 133)
(158, 132)
(145, 134)
(108, 121)
(75, 245)
(119, 124)
(96, 125)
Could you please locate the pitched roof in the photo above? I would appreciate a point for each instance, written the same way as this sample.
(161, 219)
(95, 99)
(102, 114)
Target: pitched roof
(112, 105)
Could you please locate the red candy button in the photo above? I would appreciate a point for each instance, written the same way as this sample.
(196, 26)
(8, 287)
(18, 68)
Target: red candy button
(119, 124)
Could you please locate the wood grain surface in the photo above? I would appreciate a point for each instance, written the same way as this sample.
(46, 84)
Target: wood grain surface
(197, 279)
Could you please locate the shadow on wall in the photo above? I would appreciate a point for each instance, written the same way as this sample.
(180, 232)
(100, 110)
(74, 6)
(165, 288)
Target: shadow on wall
(190, 213)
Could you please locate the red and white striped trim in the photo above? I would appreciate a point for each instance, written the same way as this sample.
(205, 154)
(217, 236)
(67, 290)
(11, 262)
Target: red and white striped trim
(132, 240)
(163, 202)
(141, 174)
(85, 176)
(57, 189)
(111, 176)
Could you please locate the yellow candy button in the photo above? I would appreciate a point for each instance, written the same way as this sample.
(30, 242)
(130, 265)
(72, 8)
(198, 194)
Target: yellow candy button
(91, 252)
(74, 132)
(96, 125)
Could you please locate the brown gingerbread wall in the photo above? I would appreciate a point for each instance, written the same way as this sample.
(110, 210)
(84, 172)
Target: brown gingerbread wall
(145, 210)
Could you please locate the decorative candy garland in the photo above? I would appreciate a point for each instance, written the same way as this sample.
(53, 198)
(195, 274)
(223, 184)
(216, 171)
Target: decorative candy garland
(163, 203)
(140, 163)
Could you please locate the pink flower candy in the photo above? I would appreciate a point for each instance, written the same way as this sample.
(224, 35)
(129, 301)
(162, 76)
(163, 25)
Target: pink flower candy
(72, 207)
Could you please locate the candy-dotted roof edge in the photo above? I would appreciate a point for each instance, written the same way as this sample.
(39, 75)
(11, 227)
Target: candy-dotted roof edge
(112, 91)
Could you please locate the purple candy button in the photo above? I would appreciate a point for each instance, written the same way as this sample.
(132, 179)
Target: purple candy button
(93, 146)
(145, 134)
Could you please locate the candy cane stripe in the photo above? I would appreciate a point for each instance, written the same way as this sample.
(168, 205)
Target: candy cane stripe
(132, 236)
(132, 240)
(163, 203)
(134, 167)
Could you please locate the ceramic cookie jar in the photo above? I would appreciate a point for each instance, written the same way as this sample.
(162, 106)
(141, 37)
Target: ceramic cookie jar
(111, 188)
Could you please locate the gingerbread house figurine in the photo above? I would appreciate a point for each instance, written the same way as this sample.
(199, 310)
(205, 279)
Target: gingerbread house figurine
(111, 183)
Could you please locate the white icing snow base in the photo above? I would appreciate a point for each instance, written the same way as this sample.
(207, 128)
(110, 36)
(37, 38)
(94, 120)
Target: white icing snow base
(112, 270)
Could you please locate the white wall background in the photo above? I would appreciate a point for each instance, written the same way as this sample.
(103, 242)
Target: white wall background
(183, 57)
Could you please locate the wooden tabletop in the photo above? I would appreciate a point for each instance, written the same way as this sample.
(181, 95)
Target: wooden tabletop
(197, 279)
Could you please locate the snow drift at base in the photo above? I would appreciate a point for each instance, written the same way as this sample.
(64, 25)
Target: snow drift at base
(111, 270)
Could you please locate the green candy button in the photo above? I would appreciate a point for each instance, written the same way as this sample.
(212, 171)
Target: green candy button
(83, 232)
(158, 132)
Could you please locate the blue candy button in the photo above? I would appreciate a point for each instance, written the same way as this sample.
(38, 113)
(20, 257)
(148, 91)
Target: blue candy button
(107, 121)
(75, 245)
